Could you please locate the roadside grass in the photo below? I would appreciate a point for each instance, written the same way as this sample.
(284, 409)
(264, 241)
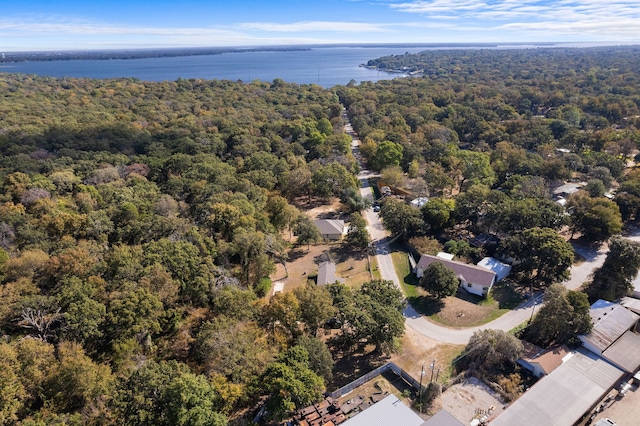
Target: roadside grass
(462, 310)
(373, 183)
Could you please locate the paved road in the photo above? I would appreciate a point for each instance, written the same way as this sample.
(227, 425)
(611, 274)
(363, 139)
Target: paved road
(424, 326)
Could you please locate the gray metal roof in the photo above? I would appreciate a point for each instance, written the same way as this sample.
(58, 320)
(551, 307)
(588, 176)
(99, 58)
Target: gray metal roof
(330, 226)
(327, 273)
(610, 321)
(625, 352)
(471, 273)
(565, 395)
(631, 303)
(388, 412)
(443, 418)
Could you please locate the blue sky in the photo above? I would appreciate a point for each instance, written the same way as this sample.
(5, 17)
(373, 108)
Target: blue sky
(108, 24)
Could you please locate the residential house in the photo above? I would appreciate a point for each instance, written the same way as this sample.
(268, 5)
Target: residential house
(327, 273)
(474, 279)
(610, 321)
(331, 229)
(541, 362)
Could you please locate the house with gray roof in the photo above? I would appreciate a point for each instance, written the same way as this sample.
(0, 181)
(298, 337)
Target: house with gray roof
(610, 321)
(331, 229)
(327, 274)
(474, 279)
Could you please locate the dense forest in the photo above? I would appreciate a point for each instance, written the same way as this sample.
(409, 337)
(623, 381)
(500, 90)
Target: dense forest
(139, 225)
(140, 222)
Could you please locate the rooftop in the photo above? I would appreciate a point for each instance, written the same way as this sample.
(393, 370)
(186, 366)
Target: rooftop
(548, 359)
(388, 412)
(610, 321)
(330, 226)
(327, 273)
(470, 273)
(443, 418)
(501, 269)
(625, 352)
(631, 303)
(565, 395)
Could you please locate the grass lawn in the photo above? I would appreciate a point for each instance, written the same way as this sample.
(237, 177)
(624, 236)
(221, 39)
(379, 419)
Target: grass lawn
(462, 310)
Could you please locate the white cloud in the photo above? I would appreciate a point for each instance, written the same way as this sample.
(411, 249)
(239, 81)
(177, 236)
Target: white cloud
(595, 18)
(353, 27)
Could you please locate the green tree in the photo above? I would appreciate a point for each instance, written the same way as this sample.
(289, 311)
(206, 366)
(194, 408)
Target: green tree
(167, 393)
(614, 279)
(12, 392)
(439, 280)
(400, 218)
(492, 351)
(331, 180)
(372, 314)
(190, 400)
(237, 350)
(388, 154)
(545, 257)
(597, 219)
(564, 315)
(306, 230)
(290, 383)
(438, 214)
(315, 306)
(474, 167)
(320, 358)
(357, 235)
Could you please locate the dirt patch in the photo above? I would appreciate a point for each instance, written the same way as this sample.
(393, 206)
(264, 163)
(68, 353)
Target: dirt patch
(471, 399)
(351, 265)
(419, 351)
(318, 208)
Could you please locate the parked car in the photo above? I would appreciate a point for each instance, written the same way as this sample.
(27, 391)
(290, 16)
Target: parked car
(376, 209)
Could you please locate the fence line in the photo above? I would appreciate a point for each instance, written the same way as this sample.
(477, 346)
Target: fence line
(373, 374)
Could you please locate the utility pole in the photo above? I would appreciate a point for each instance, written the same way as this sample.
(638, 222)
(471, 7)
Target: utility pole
(420, 390)
(433, 364)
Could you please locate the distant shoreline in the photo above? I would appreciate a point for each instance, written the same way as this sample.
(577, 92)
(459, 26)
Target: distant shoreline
(46, 56)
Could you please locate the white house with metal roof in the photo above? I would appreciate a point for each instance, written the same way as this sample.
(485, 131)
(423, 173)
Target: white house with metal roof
(475, 279)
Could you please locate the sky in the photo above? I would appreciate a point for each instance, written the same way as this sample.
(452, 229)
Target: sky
(41, 25)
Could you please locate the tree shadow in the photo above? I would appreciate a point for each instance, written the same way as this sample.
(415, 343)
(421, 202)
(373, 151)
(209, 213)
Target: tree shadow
(296, 254)
(468, 297)
(426, 305)
(352, 362)
(343, 253)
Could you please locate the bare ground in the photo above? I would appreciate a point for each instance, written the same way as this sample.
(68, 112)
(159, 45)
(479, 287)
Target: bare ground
(419, 351)
(470, 399)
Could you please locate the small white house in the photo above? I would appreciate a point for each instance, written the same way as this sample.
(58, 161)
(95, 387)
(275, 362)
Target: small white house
(501, 269)
(474, 279)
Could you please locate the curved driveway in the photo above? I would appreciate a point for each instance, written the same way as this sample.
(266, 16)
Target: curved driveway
(424, 326)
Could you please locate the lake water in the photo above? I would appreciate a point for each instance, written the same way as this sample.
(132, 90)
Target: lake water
(325, 66)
